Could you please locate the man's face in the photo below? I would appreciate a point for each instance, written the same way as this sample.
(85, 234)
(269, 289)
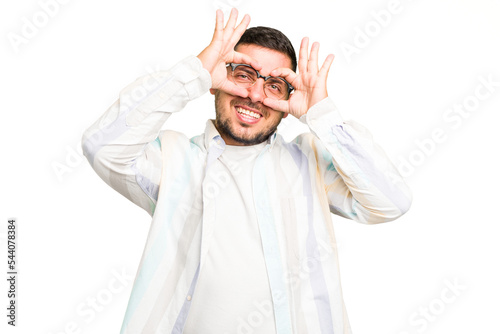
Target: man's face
(232, 120)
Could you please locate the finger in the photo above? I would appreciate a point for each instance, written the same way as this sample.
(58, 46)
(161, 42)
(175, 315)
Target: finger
(241, 58)
(278, 105)
(240, 29)
(219, 25)
(285, 73)
(232, 89)
(231, 23)
(312, 63)
(325, 68)
(304, 45)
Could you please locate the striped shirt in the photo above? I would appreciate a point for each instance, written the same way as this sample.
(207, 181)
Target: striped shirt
(336, 168)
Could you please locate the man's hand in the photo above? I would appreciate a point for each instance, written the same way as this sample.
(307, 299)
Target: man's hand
(221, 51)
(309, 85)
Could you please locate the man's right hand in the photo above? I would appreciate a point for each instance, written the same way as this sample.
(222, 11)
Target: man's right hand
(221, 52)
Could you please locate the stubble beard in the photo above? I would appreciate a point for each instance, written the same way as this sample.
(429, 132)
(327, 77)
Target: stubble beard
(225, 127)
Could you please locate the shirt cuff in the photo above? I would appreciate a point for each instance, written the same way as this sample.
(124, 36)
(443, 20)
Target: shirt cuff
(322, 115)
(193, 75)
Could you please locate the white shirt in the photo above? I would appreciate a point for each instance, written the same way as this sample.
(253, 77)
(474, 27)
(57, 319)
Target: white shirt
(233, 293)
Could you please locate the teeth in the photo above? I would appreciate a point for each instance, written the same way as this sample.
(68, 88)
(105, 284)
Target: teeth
(248, 113)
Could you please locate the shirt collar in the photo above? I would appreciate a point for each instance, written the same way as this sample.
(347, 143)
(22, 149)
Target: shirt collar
(212, 136)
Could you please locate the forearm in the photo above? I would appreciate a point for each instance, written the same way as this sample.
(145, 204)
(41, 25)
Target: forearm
(121, 145)
(363, 185)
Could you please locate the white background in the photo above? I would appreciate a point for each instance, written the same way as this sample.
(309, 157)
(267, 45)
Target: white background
(76, 234)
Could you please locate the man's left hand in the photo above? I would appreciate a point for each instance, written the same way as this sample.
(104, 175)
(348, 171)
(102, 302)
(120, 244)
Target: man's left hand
(309, 85)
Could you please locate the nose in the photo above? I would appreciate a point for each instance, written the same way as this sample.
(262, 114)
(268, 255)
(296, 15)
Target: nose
(256, 92)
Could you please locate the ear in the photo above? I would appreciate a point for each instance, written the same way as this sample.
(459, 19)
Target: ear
(212, 91)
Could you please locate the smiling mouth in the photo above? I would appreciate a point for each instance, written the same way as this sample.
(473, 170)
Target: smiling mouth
(248, 113)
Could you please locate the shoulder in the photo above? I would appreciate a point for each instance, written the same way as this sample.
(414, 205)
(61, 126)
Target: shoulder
(305, 146)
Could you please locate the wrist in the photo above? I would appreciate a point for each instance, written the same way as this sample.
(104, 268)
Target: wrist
(322, 110)
(202, 57)
(317, 98)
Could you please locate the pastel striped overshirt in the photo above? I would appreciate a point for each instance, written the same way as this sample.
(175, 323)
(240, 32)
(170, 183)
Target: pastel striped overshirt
(296, 186)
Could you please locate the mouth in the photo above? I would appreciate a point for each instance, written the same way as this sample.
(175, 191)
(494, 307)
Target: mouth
(247, 115)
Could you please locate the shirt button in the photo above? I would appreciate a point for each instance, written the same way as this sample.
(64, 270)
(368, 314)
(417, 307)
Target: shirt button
(188, 298)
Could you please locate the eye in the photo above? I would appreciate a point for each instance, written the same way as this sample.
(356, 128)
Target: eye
(244, 74)
(276, 87)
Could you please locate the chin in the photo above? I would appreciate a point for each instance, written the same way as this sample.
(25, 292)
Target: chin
(242, 122)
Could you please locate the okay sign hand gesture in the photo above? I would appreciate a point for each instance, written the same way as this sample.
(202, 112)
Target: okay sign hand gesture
(221, 51)
(309, 84)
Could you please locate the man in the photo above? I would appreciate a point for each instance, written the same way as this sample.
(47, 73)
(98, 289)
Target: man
(241, 239)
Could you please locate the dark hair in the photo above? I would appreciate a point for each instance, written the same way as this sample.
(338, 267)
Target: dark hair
(270, 38)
